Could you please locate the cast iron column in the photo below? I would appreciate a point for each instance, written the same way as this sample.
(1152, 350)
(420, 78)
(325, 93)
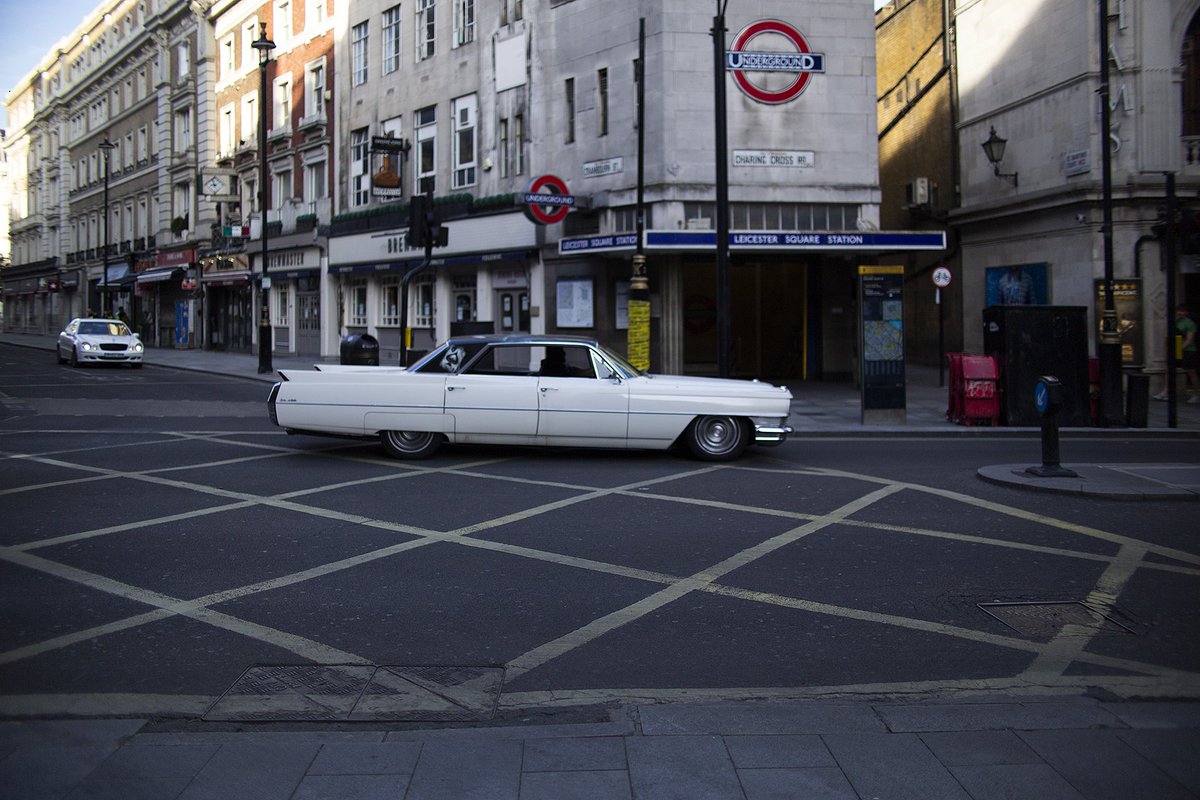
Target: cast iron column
(264, 46)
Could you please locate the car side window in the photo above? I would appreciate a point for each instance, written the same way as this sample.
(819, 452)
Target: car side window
(567, 361)
(501, 360)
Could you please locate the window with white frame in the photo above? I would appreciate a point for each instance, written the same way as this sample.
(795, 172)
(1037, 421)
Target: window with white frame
(183, 130)
(182, 203)
(318, 12)
(227, 133)
(282, 305)
(360, 168)
(249, 195)
(142, 225)
(143, 144)
(249, 35)
(464, 111)
(389, 302)
(421, 306)
(283, 22)
(314, 89)
(391, 40)
(358, 54)
(356, 300)
(183, 55)
(281, 187)
(426, 29)
(464, 22)
(249, 117)
(283, 103)
(228, 65)
(315, 187)
(518, 136)
(425, 120)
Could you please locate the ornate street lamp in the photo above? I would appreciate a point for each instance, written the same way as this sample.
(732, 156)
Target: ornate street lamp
(264, 46)
(993, 148)
(107, 147)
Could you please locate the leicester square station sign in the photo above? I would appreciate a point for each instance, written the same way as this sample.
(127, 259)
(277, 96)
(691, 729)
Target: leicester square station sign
(803, 63)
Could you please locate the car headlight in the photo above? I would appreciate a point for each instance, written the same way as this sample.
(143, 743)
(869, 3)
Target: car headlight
(768, 422)
(137, 347)
(86, 345)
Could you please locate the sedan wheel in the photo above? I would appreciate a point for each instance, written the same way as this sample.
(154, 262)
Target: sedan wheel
(410, 444)
(58, 355)
(717, 438)
(74, 357)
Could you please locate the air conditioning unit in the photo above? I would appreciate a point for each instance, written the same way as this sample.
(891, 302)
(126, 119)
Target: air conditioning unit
(916, 192)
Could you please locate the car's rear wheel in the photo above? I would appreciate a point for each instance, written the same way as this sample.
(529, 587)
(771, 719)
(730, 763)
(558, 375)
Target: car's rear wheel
(717, 438)
(410, 444)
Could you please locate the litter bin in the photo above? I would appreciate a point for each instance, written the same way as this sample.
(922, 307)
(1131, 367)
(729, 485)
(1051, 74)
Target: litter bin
(360, 349)
(1137, 400)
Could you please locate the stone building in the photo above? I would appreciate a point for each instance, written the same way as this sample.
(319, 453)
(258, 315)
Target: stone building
(1029, 71)
(105, 143)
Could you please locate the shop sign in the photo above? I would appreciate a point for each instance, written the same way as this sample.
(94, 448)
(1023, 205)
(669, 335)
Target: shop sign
(1077, 162)
(803, 62)
(176, 258)
(597, 244)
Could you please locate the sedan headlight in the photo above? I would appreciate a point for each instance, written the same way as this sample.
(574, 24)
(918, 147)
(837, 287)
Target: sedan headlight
(768, 422)
(137, 347)
(86, 345)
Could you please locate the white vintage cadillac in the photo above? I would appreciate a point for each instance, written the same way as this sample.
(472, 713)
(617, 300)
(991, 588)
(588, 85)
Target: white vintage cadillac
(529, 390)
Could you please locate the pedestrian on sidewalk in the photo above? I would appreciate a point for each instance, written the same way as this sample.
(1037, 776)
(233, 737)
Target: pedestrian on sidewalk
(1185, 329)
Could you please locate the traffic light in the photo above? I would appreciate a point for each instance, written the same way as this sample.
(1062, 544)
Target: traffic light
(1189, 231)
(425, 228)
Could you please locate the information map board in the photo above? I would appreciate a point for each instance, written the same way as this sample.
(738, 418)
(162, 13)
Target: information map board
(881, 305)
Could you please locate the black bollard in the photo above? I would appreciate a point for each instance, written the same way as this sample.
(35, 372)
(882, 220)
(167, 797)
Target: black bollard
(1047, 396)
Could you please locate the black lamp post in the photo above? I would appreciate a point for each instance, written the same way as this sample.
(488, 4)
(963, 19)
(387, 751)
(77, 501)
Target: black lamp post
(724, 302)
(106, 147)
(264, 46)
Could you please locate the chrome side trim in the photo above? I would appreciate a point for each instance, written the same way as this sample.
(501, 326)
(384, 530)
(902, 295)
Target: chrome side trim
(771, 434)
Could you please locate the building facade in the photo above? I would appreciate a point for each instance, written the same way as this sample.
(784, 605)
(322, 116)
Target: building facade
(106, 144)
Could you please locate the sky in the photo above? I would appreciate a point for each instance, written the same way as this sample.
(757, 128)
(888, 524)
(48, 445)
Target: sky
(32, 27)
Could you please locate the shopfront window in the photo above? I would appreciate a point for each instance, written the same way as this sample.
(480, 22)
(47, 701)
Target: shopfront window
(389, 312)
(357, 301)
(421, 299)
(280, 303)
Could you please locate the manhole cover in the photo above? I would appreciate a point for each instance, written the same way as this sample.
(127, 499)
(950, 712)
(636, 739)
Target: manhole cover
(1048, 619)
(331, 693)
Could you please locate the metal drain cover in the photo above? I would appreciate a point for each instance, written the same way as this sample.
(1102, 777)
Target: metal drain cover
(333, 693)
(1048, 619)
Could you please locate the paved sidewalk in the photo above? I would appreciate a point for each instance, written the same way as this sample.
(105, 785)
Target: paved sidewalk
(986, 749)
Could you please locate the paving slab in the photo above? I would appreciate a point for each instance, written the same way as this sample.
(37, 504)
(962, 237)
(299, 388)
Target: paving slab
(169, 761)
(1101, 766)
(979, 748)
(1156, 714)
(44, 772)
(67, 732)
(897, 766)
(129, 789)
(467, 770)
(1174, 752)
(261, 770)
(745, 718)
(681, 768)
(366, 758)
(351, 787)
(920, 718)
(1015, 782)
(586, 785)
(785, 751)
(575, 754)
(814, 783)
(586, 729)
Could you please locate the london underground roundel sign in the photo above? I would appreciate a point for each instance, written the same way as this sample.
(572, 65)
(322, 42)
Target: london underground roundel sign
(547, 201)
(740, 60)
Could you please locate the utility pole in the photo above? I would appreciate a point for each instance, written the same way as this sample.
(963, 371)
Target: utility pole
(638, 332)
(724, 345)
(1108, 348)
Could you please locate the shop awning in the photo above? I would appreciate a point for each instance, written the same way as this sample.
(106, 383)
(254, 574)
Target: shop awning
(119, 275)
(226, 278)
(159, 275)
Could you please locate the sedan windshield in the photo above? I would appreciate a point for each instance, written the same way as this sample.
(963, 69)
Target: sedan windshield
(104, 328)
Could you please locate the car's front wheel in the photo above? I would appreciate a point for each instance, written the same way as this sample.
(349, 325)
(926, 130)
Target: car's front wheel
(74, 357)
(410, 444)
(717, 438)
(58, 355)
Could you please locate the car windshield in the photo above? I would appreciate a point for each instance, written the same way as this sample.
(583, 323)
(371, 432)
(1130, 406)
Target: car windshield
(619, 362)
(104, 328)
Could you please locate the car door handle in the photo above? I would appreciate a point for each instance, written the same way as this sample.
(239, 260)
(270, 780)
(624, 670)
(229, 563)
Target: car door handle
(459, 388)
(549, 389)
